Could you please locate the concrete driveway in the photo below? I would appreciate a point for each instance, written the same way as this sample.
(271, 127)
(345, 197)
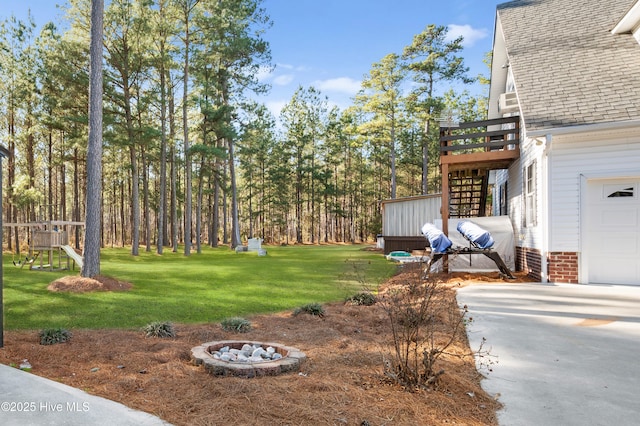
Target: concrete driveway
(30, 400)
(566, 354)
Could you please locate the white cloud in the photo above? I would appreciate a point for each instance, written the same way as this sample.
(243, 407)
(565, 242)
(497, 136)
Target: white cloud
(471, 35)
(285, 66)
(264, 73)
(345, 85)
(275, 107)
(292, 67)
(283, 80)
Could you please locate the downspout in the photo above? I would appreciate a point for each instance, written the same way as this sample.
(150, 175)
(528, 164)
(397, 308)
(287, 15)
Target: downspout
(546, 196)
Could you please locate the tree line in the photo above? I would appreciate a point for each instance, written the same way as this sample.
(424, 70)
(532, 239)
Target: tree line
(189, 157)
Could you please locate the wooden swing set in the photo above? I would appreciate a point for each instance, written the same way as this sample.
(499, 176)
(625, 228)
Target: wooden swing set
(49, 248)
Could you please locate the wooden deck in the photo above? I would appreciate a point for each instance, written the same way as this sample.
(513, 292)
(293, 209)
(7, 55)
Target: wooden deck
(468, 152)
(489, 145)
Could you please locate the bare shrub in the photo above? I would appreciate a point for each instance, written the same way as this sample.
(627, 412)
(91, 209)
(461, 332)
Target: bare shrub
(424, 324)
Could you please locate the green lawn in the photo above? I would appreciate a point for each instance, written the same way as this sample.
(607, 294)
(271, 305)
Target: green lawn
(199, 288)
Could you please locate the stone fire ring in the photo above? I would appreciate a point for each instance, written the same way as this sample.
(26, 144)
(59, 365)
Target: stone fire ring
(291, 360)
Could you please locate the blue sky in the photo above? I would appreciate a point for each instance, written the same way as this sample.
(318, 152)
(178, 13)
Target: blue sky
(331, 44)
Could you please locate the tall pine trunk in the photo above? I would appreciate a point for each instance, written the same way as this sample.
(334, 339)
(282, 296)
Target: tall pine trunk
(91, 264)
(173, 172)
(162, 204)
(185, 126)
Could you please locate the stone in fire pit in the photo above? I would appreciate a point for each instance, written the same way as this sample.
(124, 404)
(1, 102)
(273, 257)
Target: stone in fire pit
(266, 359)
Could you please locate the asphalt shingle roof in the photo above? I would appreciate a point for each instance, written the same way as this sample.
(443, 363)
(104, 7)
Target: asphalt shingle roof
(569, 69)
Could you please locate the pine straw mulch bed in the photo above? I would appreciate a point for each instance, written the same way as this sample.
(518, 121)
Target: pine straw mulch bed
(342, 381)
(75, 284)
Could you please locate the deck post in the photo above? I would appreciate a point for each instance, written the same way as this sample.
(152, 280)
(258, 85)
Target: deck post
(444, 209)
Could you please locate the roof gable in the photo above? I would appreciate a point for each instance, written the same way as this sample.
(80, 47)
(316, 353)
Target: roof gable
(569, 68)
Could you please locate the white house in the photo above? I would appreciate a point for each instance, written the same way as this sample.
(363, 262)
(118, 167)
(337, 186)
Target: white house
(570, 69)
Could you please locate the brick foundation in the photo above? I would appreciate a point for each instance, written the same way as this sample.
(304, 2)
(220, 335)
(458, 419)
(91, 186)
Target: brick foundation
(530, 261)
(563, 267)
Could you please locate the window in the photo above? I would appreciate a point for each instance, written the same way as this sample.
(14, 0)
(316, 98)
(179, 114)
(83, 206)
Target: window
(530, 207)
(622, 192)
(503, 200)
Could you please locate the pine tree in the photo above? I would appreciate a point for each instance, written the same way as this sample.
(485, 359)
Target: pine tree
(91, 264)
(432, 60)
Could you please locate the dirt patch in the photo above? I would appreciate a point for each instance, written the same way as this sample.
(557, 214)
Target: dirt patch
(341, 382)
(595, 322)
(468, 278)
(77, 284)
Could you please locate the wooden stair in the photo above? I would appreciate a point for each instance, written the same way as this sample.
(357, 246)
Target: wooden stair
(468, 191)
(468, 152)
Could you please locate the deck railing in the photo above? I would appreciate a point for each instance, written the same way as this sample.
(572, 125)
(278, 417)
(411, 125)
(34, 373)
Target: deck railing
(480, 136)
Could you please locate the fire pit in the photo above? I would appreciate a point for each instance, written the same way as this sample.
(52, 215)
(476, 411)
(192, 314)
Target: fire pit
(246, 359)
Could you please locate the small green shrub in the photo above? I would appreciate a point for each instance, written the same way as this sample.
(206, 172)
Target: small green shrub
(314, 309)
(236, 324)
(51, 336)
(364, 298)
(159, 329)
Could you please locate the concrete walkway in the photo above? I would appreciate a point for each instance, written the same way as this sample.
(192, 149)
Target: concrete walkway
(27, 399)
(566, 354)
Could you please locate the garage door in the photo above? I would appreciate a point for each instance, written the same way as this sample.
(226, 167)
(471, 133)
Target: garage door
(612, 231)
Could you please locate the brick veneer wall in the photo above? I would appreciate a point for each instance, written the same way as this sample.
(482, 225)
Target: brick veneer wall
(563, 267)
(529, 261)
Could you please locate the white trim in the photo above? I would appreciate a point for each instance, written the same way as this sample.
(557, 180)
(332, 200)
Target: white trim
(629, 22)
(499, 69)
(582, 128)
(612, 174)
(545, 197)
(583, 269)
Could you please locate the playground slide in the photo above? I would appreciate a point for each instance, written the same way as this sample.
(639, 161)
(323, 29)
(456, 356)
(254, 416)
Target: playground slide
(73, 255)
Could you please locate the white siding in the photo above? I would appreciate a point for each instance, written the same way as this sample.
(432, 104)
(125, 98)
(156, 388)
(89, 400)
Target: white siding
(575, 158)
(530, 236)
(404, 217)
